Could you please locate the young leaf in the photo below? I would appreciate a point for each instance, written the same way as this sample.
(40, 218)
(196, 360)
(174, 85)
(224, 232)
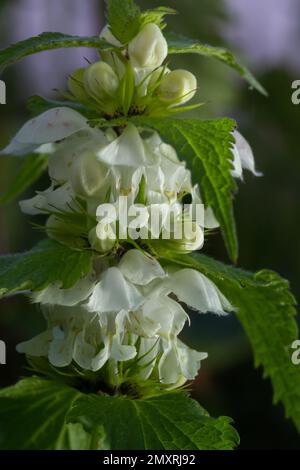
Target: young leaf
(206, 147)
(171, 421)
(157, 16)
(181, 45)
(266, 309)
(123, 17)
(32, 417)
(47, 263)
(45, 42)
(33, 167)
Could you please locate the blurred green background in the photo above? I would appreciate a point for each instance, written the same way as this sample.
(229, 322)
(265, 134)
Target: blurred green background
(266, 36)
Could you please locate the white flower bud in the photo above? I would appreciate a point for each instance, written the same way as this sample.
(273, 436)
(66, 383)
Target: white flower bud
(149, 48)
(102, 238)
(100, 80)
(88, 175)
(158, 74)
(76, 85)
(178, 87)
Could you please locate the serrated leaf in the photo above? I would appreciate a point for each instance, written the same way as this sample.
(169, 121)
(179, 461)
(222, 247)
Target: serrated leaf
(47, 263)
(171, 421)
(32, 417)
(206, 147)
(32, 168)
(157, 16)
(266, 309)
(45, 42)
(123, 17)
(182, 45)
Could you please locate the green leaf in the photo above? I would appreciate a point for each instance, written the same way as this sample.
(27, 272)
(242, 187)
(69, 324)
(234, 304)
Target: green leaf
(32, 168)
(157, 16)
(45, 42)
(32, 417)
(123, 17)
(181, 45)
(171, 421)
(47, 263)
(206, 147)
(266, 309)
(38, 104)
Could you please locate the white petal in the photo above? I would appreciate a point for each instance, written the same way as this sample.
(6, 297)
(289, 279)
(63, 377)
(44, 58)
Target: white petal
(67, 151)
(119, 351)
(54, 295)
(237, 171)
(149, 48)
(102, 357)
(148, 352)
(243, 156)
(139, 268)
(35, 205)
(109, 37)
(51, 199)
(166, 313)
(159, 215)
(83, 351)
(51, 126)
(190, 360)
(169, 367)
(113, 293)
(210, 220)
(61, 347)
(126, 150)
(37, 346)
(198, 292)
(143, 326)
(176, 175)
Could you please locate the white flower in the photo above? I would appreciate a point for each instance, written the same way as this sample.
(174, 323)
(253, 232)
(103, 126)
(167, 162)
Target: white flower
(91, 323)
(52, 199)
(102, 238)
(100, 80)
(55, 295)
(197, 291)
(243, 157)
(139, 268)
(165, 173)
(179, 361)
(177, 87)
(114, 293)
(149, 48)
(210, 220)
(51, 126)
(126, 150)
(65, 153)
(88, 176)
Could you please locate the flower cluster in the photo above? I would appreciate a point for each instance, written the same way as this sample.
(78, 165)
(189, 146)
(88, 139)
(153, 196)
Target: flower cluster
(128, 312)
